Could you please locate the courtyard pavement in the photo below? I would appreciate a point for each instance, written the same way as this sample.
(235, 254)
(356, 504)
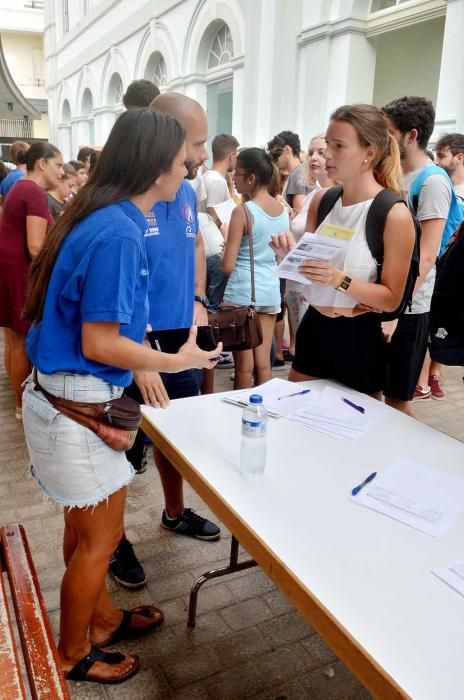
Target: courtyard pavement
(249, 641)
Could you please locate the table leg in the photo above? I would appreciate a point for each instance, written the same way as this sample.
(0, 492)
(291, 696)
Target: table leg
(233, 566)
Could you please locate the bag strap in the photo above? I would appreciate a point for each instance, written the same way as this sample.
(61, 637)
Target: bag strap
(375, 223)
(249, 231)
(327, 203)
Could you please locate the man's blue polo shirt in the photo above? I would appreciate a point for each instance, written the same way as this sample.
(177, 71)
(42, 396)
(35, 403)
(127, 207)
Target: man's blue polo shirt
(170, 243)
(100, 274)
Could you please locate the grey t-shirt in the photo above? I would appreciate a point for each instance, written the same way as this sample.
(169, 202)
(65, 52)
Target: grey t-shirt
(434, 203)
(295, 184)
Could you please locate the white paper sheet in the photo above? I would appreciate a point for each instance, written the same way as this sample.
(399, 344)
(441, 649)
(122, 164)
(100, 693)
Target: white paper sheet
(311, 246)
(453, 575)
(224, 210)
(425, 499)
(276, 395)
(328, 413)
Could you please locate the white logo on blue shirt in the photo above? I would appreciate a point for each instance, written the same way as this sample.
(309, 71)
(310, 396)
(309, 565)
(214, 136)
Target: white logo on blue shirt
(152, 229)
(189, 217)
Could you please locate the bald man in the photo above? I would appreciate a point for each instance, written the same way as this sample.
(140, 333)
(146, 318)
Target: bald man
(177, 281)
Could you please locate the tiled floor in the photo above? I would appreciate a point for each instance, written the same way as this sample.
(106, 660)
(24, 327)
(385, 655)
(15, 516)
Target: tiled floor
(249, 641)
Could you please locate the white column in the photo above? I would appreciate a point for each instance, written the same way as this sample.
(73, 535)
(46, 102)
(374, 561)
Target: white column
(238, 104)
(335, 68)
(450, 99)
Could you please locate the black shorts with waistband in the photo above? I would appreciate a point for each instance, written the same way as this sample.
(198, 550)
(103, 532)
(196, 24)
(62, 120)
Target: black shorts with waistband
(348, 350)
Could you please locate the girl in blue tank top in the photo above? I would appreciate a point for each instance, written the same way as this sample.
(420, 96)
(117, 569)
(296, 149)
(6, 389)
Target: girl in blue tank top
(254, 171)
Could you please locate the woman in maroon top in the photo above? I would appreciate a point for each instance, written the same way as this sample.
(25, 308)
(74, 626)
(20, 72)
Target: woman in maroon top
(23, 227)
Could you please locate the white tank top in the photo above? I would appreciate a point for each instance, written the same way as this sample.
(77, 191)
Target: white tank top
(355, 259)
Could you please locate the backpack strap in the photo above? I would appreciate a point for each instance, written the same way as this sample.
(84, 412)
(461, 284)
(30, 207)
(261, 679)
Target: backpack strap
(375, 223)
(414, 190)
(327, 203)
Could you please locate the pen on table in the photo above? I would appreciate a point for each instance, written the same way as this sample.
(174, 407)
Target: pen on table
(297, 393)
(367, 480)
(353, 405)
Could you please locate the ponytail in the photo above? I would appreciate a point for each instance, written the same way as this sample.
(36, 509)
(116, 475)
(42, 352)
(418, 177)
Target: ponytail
(387, 171)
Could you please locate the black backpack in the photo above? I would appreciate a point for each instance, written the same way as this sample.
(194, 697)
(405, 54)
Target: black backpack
(375, 225)
(447, 308)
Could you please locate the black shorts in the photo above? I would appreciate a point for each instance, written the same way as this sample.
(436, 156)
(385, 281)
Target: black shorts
(349, 350)
(406, 354)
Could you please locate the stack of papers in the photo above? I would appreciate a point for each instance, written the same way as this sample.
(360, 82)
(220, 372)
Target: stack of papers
(423, 498)
(338, 413)
(453, 575)
(280, 396)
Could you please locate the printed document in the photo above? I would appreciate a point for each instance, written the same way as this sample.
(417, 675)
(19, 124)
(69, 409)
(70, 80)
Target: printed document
(426, 499)
(338, 413)
(311, 246)
(224, 210)
(453, 575)
(280, 397)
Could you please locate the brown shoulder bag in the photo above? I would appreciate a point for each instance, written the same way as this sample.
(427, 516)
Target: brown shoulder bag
(238, 327)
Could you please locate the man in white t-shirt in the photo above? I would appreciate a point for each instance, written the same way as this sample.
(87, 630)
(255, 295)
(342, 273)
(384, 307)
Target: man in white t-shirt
(449, 155)
(224, 148)
(412, 121)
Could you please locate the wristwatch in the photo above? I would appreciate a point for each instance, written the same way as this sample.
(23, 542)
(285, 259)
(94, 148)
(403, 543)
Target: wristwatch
(203, 300)
(344, 284)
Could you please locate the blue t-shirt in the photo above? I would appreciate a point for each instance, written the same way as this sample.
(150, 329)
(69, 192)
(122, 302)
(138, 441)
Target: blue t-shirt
(100, 274)
(8, 182)
(170, 243)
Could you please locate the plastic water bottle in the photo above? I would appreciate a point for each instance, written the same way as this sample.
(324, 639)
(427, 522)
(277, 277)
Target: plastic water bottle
(254, 436)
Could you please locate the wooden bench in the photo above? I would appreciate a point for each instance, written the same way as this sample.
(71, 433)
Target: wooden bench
(46, 680)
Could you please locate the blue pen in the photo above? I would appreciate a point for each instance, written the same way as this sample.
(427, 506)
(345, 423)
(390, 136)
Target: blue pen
(354, 405)
(297, 393)
(368, 479)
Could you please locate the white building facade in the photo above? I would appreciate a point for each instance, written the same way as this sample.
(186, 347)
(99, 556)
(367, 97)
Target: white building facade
(257, 66)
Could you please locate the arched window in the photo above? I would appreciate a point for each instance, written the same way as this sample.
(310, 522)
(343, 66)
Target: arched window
(87, 112)
(66, 112)
(160, 73)
(87, 103)
(156, 69)
(222, 48)
(115, 90)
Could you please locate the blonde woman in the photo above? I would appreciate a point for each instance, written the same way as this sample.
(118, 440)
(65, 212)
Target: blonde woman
(333, 341)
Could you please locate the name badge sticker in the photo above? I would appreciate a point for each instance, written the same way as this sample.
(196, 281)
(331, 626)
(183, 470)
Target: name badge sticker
(333, 231)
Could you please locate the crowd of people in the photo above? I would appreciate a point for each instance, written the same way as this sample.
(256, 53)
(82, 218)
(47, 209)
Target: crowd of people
(96, 252)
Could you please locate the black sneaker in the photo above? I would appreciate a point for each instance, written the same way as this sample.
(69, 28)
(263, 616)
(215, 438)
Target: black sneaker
(225, 361)
(278, 364)
(288, 356)
(125, 568)
(191, 524)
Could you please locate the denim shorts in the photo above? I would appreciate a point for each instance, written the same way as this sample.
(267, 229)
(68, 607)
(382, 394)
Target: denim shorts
(70, 463)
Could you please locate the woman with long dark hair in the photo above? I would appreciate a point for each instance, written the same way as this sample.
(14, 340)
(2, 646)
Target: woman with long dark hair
(88, 304)
(23, 227)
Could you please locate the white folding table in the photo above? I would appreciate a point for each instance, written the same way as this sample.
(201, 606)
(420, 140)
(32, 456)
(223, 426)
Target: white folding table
(361, 579)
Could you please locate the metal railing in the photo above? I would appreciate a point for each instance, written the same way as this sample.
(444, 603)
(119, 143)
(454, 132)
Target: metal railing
(16, 128)
(29, 81)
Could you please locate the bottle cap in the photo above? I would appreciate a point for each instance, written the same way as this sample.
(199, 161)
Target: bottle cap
(256, 398)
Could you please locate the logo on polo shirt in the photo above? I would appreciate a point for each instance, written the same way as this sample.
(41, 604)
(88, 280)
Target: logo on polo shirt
(152, 229)
(189, 220)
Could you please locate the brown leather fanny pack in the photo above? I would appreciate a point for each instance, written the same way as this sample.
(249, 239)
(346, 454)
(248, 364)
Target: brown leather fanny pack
(116, 421)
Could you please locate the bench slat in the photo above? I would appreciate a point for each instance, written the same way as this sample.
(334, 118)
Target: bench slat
(11, 683)
(41, 657)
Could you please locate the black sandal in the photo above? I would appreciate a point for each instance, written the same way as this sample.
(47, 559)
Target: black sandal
(80, 670)
(126, 631)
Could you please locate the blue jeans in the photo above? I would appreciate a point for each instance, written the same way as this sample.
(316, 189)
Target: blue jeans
(216, 281)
